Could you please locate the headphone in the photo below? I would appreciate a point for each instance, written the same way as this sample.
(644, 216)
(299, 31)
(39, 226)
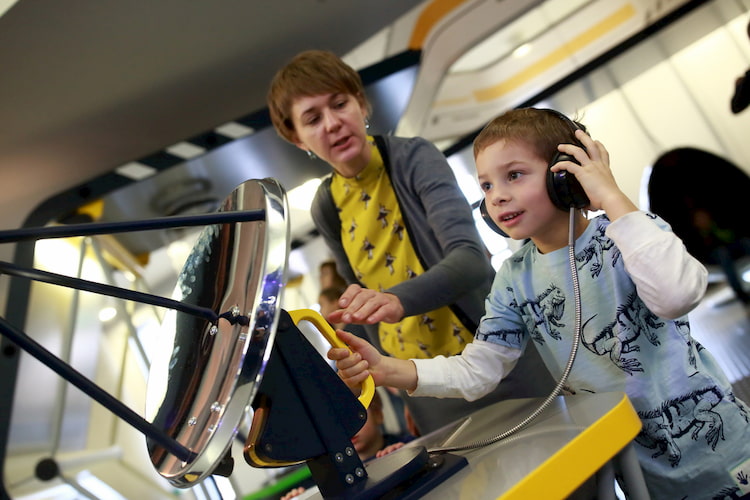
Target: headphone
(563, 188)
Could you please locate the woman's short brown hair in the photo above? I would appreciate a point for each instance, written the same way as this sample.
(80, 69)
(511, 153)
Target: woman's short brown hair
(309, 73)
(540, 129)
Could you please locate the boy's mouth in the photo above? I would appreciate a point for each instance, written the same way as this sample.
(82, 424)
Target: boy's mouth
(507, 217)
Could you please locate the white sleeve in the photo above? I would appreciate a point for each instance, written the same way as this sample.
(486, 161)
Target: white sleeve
(669, 280)
(469, 375)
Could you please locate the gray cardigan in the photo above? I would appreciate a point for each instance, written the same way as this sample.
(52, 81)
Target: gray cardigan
(441, 227)
(440, 224)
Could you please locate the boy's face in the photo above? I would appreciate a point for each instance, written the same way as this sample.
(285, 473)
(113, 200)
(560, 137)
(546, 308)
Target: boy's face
(513, 179)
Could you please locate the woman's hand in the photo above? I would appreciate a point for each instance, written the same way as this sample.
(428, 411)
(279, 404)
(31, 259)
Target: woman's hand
(366, 307)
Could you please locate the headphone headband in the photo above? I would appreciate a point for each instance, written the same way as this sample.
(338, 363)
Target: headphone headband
(572, 124)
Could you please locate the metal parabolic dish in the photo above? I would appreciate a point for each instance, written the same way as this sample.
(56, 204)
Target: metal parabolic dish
(205, 374)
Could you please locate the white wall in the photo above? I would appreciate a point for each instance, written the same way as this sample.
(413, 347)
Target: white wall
(660, 95)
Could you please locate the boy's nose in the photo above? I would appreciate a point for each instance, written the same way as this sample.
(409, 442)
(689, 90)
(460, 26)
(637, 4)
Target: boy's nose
(498, 196)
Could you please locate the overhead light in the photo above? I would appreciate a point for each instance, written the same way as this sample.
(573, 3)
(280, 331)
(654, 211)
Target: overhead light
(522, 50)
(107, 314)
(62, 256)
(130, 276)
(58, 255)
(522, 30)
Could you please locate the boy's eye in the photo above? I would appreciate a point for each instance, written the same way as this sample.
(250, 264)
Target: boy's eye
(513, 175)
(485, 186)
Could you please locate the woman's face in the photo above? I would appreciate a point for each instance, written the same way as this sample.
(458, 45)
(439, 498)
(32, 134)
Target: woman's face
(333, 127)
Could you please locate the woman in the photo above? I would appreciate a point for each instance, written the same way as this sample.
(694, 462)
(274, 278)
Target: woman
(398, 226)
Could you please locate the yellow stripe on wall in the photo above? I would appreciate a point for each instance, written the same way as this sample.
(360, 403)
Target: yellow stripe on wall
(430, 16)
(558, 55)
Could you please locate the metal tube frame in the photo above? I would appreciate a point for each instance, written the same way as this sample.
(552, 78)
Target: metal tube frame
(62, 368)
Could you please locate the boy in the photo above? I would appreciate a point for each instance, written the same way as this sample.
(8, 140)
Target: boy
(637, 284)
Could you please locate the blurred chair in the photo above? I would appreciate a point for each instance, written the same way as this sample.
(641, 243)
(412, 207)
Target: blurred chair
(703, 197)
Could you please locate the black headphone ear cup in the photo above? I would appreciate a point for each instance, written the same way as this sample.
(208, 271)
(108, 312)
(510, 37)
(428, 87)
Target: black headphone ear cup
(488, 219)
(563, 188)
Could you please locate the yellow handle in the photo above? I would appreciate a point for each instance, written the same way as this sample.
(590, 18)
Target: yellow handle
(314, 317)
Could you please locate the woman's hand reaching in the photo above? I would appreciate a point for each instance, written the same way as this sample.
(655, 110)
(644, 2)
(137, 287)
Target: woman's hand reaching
(364, 306)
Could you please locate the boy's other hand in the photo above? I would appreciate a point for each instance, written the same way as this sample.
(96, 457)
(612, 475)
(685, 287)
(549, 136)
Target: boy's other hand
(354, 366)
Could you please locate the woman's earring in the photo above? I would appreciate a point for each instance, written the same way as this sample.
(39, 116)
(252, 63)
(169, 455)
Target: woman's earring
(311, 155)
(367, 122)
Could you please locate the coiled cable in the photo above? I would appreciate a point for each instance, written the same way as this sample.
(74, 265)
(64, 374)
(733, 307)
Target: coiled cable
(568, 367)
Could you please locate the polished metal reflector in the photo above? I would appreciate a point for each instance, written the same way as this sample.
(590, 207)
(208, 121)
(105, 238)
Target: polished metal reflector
(205, 374)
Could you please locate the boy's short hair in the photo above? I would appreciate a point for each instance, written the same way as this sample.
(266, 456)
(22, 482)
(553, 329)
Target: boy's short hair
(309, 73)
(540, 129)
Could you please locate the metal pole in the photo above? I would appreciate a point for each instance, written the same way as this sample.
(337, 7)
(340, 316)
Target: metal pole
(94, 391)
(102, 289)
(92, 228)
(61, 395)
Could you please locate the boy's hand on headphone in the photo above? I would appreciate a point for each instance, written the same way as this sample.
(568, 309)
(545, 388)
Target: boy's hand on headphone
(595, 176)
(366, 307)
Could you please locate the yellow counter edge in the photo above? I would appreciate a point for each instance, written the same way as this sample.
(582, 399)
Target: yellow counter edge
(562, 473)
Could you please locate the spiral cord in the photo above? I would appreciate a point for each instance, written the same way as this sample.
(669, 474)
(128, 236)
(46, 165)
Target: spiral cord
(568, 367)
